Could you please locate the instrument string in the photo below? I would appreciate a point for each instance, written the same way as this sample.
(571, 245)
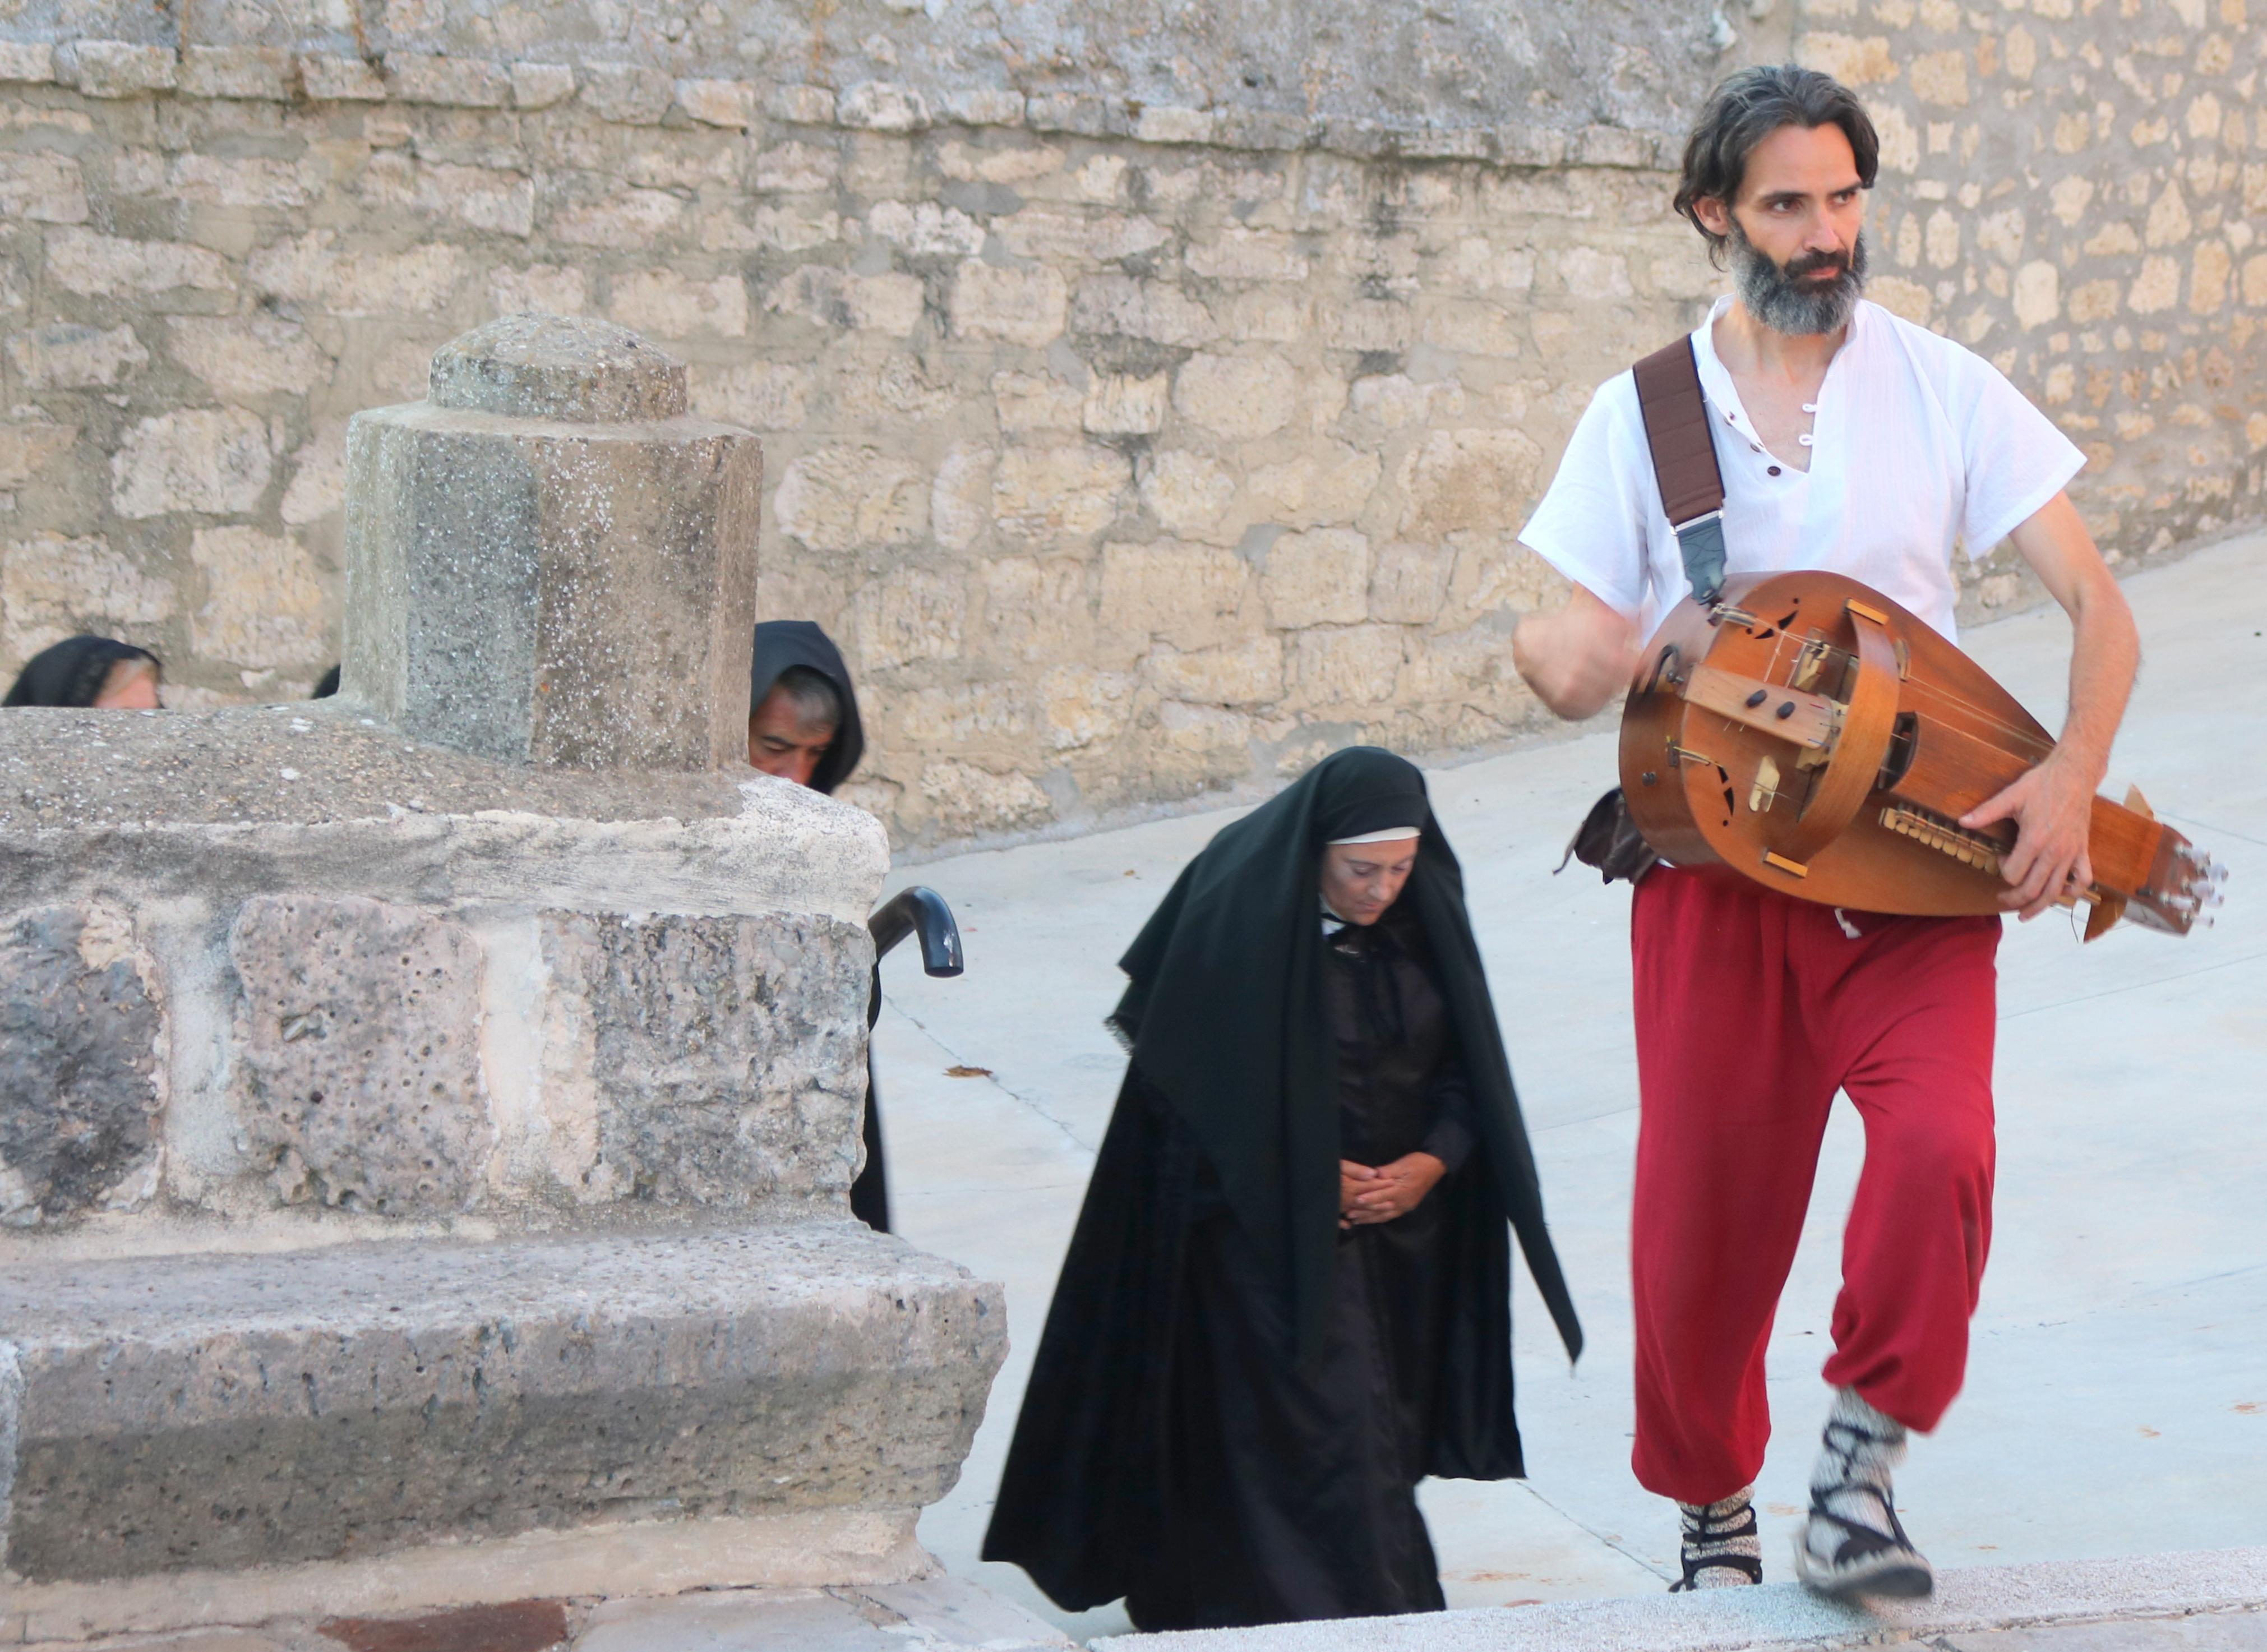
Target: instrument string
(1916, 688)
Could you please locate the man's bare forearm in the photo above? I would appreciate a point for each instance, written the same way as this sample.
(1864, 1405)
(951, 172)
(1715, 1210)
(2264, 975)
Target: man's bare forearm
(1577, 658)
(2105, 655)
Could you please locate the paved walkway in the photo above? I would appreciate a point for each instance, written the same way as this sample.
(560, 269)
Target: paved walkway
(2117, 1395)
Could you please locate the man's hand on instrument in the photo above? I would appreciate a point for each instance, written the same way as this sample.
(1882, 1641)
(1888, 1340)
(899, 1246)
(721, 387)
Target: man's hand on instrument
(2052, 808)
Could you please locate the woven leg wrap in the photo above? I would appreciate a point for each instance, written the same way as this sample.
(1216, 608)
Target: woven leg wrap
(1722, 1547)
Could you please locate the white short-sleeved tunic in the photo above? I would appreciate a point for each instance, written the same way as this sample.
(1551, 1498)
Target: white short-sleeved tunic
(1917, 446)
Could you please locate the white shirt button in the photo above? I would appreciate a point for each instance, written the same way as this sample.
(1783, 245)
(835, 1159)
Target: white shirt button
(1810, 406)
(1804, 440)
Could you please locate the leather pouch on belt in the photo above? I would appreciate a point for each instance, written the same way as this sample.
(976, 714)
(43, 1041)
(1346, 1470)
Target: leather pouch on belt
(1608, 839)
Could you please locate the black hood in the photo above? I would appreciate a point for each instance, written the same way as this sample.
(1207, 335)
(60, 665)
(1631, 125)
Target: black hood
(782, 645)
(73, 672)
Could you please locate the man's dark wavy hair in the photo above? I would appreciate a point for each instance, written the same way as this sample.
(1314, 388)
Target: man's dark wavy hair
(1747, 108)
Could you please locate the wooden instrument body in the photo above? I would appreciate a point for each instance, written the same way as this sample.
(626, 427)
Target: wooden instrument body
(1811, 734)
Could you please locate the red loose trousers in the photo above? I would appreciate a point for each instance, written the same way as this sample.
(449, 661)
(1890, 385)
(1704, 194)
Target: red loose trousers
(1752, 1010)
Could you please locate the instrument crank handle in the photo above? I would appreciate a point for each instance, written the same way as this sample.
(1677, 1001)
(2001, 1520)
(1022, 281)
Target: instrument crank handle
(919, 911)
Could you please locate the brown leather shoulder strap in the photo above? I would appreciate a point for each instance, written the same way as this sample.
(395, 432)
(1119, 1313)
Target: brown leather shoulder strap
(1676, 430)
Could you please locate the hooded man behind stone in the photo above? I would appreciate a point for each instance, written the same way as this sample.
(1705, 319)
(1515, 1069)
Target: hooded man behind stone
(802, 726)
(90, 671)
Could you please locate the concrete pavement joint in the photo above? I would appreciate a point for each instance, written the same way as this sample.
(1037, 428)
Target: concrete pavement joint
(994, 1079)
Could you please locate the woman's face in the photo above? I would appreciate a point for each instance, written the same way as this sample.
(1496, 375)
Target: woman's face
(130, 686)
(1360, 880)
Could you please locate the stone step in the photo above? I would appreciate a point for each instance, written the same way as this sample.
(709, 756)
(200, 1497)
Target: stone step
(2210, 1591)
(188, 1417)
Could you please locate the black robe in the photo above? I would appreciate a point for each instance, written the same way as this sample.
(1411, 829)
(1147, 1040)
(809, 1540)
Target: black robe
(782, 645)
(1200, 1436)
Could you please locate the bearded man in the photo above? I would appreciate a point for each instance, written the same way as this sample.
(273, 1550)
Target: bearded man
(1851, 441)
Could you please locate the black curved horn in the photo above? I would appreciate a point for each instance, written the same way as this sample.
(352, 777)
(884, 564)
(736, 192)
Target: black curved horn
(919, 911)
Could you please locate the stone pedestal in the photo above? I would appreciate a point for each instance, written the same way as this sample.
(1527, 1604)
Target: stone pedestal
(424, 1152)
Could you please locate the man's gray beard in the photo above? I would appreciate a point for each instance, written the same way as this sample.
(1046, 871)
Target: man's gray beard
(1786, 305)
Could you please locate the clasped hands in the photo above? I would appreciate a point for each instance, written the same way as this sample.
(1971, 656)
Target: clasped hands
(1370, 1193)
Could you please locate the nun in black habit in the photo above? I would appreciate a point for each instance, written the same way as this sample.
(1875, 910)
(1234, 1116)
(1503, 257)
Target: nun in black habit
(802, 725)
(1245, 1369)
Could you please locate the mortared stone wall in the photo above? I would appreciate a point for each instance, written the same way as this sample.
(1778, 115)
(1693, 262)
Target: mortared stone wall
(1151, 395)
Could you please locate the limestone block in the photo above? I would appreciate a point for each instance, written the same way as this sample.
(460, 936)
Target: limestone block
(541, 85)
(1084, 705)
(1026, 402)
(1315, 488)
(358, 1054)
(880, 105)
(926, 228)
(630, 220)
(1248, 675)
(112, 266)
(249, 357)
(252, 73)
(560, 289)
(984, 106)
(850, 498)
(1056, 234)
(1065, 491)
(330, 79)
(1167, 123)
(478, 197)
(727, 1055)
(1240, 396)
(29, 446)
(1017, 306)
(1320, 578)
(762, 395)
(796, 168)
(263, 608)
(119, 68)
(43, 188)
(577, 554)
(318, 476)
(730, 104)
(675, 306)
(1244, 254)
(1119, 405)
(1187, 492)
(1408, 583)
(468, 82)
(66, 355)
(416, 281)
(1358, 666)
(211, 460)
(246, 181)
(1131, 308)
(83, 1047)
(1468, 479)
(983, 720)
(1036, 609)
(433, 1392)
(907, 615)
(1187, 595)
(801, 105)
(960, 499)
(628, 92)
(53, 586)
(26, 61)
(963, 798)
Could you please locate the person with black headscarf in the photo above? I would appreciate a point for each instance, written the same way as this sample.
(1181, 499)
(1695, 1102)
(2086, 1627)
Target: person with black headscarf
(1287, 1297)
(803, 716)
(802, 726)
(90, 671)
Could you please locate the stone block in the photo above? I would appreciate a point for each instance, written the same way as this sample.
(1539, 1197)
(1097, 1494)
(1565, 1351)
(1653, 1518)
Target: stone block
(211, 459)
(675, 306)
(112, 267)
(963, 798)
(249, 181)
(251, 73)
(1319, 578)
(1017, 306)
(1469, 479)
(29, 446)
(726, 1056)
(117, 68)
(263, 606)
(1068, 491)
(984, 106)
(66, 355)
(83, 1050)
(478, 197)
(1330, 483)
(851, 498)
(1408, 583)
(881, 105)
(1187, 492)
(1187, 595)
(43, 188)
(541, 86)
(628, 92)
(629, 220)
(1121, 405)
(549, 560)
(358, 1054)
(53, 586)
(28, 62)
(907, 615)
(1358, 666)
(1239, 396)
(801, 105)
(1131, 308)
(926, 228)
(1248, 674)
(729, 104)
(331, 79)
(360, 1400)
(244, 359)
(473, 82)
